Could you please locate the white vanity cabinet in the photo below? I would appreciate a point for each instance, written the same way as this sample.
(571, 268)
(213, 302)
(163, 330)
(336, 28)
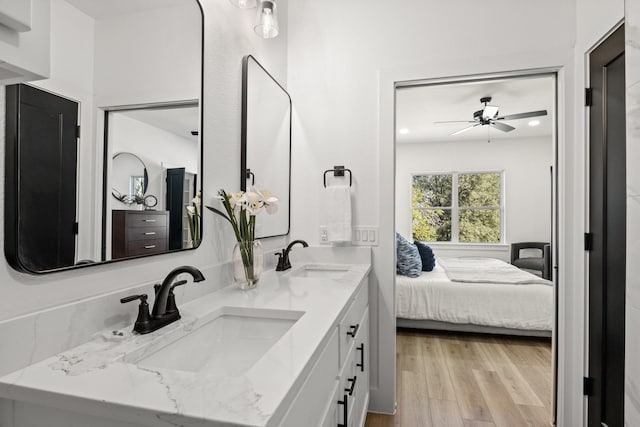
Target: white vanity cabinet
(315, 374)
(336, 391)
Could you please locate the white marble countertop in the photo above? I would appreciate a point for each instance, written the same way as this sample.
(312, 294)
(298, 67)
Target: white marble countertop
(97, 379)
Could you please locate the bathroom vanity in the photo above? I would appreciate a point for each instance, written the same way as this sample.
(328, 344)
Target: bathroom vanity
(293, 352)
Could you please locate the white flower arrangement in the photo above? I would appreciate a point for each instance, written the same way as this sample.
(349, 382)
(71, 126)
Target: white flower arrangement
(241, 210)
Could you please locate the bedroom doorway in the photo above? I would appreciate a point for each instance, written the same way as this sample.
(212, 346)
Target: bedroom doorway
(476, 179)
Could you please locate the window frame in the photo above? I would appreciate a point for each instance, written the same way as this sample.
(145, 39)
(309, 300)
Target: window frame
(455, 208)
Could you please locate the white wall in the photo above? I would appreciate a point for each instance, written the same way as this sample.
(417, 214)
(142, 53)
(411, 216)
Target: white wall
(343, 60)
(154, 146)
(159, 64)
(229, 36)
(525, 163)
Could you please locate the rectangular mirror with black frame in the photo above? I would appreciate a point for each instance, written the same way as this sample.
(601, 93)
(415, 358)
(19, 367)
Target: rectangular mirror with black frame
(104, 159)
(266, 143)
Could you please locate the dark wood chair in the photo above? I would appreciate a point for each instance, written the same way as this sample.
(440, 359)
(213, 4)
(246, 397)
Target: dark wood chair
(540, 263)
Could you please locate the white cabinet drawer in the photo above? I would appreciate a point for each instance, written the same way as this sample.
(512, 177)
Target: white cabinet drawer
(350, 323)
(361, 369)
(330, 418)
(310, 403)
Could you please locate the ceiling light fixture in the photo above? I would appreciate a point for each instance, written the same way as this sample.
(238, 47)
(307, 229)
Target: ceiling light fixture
(403, 131)
(267, 19)
(244, 4)
(533, 123)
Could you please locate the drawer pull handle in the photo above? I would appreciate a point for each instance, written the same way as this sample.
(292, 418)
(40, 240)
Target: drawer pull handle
(150, 246)
(150, 233)
(360, 365)
(353, 330)
(148, 220)
(353, 385)
(345, 411)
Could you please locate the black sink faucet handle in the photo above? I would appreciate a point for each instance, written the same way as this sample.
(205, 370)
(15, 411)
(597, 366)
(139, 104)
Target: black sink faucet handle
(144, 318)
(281, 258)
(142, 298)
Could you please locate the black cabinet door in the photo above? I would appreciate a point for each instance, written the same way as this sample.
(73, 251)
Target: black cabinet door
(41, 165)
(175, 206)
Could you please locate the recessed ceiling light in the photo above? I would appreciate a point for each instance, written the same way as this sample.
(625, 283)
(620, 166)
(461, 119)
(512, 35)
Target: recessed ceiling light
(403, 131)
(533, 123)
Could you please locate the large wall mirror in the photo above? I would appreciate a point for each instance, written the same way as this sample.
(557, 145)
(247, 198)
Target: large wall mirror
(104, 157)
(266, 143)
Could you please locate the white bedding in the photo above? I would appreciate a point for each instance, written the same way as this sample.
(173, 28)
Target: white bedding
(488, 270)
(433, 296)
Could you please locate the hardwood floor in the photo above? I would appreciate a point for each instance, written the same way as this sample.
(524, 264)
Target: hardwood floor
(470, 380)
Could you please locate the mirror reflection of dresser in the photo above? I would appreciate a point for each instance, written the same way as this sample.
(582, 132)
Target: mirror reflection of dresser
(138, 233)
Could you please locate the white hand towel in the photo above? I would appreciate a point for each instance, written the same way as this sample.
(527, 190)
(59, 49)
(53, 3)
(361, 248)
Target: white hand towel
(338, 205)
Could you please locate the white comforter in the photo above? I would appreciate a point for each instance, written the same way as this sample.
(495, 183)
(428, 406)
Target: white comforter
(488, 270)
(433, 296)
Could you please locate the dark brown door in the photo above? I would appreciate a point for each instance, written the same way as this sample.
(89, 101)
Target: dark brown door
(41, 161)
(607, 226)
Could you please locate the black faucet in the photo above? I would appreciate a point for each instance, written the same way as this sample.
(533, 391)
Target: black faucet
(165, 310)
(283, 260)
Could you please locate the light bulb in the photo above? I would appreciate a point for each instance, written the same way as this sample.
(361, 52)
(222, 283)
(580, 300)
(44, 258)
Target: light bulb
(267, 20)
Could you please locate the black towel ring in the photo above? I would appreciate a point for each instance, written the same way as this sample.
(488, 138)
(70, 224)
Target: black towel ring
(338, 171)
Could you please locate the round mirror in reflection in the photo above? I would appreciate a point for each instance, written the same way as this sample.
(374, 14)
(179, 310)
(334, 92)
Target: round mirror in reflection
(129, 178)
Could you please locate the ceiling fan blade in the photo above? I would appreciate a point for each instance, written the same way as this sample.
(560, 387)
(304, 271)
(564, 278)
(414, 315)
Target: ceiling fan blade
(502, 126)
(523, 115)
(464, 129)
(455, 121)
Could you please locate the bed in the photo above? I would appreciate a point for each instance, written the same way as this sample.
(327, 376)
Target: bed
(486, 295)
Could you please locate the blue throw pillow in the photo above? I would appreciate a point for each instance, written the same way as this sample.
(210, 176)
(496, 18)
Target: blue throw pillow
(426, 255)
(409, 263)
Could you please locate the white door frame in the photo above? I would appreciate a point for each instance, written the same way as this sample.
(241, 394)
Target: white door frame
(571, 191)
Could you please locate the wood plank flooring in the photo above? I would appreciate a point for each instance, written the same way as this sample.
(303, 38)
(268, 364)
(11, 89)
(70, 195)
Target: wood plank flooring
(470, 380)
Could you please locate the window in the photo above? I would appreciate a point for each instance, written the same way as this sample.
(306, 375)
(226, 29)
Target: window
(457, 207)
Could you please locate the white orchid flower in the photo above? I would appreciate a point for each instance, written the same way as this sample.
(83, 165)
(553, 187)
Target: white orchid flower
(196, 200)
(236, 200)
(191, 210)
(272, 206)
(269, 201)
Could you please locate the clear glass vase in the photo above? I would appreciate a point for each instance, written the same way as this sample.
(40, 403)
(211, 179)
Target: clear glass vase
(248, 260)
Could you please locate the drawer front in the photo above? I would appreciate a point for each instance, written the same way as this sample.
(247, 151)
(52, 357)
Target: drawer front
(312, 399)
(144, 247)
(146, 233)
(362, 371)
(330, 417)
(147, 219)
(350, 324)
(347, 390)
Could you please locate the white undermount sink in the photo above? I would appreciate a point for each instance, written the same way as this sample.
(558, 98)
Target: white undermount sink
(229, 344)
(321, 271)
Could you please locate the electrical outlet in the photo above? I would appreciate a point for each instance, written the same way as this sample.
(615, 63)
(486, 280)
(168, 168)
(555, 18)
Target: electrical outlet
(324, 236)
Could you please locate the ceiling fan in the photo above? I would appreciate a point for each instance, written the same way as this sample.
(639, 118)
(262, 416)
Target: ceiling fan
(488, 116)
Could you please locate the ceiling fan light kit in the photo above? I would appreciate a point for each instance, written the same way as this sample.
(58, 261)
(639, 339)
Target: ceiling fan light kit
(488, 116)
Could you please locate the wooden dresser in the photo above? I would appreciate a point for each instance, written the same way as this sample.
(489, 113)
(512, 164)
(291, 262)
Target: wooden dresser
(135, 233)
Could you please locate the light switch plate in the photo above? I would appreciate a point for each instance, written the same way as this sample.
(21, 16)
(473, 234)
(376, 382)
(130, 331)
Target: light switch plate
(360, 236)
